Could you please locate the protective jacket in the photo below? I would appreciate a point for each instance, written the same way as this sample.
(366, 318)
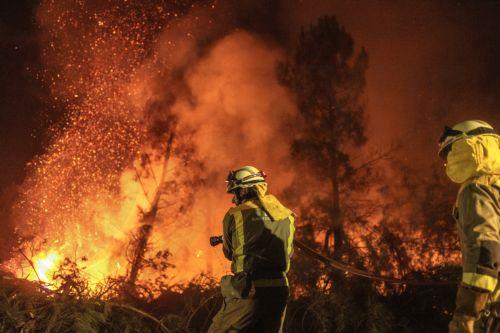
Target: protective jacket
(475, 163)
(478, 219)
(258, 239)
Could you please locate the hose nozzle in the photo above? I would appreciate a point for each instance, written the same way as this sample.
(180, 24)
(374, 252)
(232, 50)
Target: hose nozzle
(216, 240)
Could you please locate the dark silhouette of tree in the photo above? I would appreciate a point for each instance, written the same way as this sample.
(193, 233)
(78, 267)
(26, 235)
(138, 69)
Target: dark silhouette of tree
(328, 80)
(8, 237)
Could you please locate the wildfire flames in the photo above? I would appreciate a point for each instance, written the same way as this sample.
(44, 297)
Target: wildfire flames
(45, 264)
(113, 67)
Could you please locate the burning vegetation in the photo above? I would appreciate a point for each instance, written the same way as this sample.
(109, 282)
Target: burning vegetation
(152, 103)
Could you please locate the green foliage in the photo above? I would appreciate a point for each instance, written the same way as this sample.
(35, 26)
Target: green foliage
(29, 307)
(360, 308)
(341, 311)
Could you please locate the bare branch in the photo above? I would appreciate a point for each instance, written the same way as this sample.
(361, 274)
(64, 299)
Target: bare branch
(31, 264)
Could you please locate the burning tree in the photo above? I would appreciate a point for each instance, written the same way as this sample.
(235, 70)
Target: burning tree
(148, 217)
(328, 80)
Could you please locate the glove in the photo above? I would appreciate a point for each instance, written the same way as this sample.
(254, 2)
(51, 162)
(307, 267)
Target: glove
(469, 304)
(460, 326)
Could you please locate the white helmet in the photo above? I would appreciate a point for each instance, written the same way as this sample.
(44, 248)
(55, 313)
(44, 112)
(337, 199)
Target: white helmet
(246, 176)
(460, 131)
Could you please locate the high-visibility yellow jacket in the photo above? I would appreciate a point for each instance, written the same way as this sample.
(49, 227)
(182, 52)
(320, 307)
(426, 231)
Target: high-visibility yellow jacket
(477, 212)
(257, 243)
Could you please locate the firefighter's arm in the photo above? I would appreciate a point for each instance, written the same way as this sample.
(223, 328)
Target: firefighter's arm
(479, 222)
(228, 227)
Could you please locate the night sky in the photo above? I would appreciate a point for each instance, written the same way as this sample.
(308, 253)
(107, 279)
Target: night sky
(23, 115)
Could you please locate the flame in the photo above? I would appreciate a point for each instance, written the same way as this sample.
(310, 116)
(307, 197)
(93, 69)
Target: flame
(45, 265)
(87, 194)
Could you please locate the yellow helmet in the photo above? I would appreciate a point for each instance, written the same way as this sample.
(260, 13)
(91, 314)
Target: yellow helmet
(246, 176)
(460, 131)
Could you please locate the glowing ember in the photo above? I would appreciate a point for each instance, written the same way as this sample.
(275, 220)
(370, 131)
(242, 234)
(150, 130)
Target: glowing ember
(114, 68)
(85, 196)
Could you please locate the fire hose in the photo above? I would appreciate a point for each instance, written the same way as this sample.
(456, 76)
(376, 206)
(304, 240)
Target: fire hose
(335, 264)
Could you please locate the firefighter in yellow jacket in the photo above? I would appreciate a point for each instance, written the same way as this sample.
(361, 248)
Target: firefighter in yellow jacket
(472, 154)
(257, 238)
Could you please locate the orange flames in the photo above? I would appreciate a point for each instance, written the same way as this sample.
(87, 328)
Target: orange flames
(45, 265)
(86, 197)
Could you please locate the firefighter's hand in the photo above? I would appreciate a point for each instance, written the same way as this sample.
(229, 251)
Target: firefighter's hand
(461, 325)
(469, 304)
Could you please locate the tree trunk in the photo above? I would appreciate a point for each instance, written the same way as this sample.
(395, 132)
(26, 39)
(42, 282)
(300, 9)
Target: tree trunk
(147, 221)
(336, 227)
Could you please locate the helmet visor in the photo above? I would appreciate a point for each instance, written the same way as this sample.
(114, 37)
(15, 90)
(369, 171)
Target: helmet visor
(451, 135)
(233, 182)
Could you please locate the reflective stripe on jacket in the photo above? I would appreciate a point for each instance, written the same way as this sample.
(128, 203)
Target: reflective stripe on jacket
(257, 244)
(478, 219)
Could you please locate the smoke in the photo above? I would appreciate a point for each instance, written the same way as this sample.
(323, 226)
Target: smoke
(239, 107)
(235, 113)
(431, 64)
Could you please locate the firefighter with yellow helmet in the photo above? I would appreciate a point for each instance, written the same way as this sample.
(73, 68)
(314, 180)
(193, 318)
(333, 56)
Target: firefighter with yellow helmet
(257, 239)
(472, 154)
